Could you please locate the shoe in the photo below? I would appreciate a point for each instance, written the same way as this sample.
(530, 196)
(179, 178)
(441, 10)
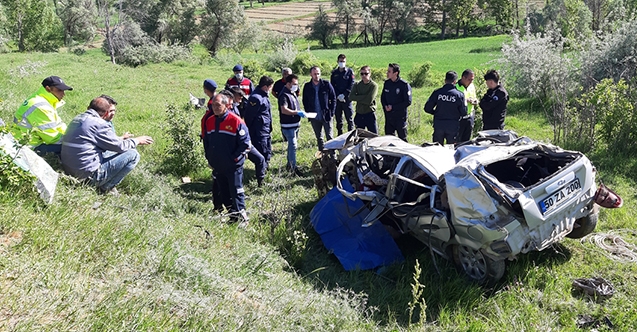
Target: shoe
(239, 216)
(259, 183)
(110, 192)
(298, 172)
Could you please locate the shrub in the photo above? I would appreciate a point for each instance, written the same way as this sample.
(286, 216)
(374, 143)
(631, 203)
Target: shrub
(613, 106)
(379, 75)
(184, 155)
(253, 70)
(419, 75)
(281, 57)
(14, 181)
(152, 53)
(612, 56)
(303, 62)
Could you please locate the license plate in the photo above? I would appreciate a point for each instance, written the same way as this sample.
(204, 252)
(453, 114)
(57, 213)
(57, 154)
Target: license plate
(560, 196)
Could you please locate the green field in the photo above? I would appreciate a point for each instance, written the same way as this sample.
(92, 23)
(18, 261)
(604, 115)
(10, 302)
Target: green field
(157, 257)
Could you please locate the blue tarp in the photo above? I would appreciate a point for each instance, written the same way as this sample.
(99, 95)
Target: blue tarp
(356, 247)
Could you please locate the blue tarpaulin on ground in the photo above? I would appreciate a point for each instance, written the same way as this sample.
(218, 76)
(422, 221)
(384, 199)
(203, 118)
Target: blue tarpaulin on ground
(356, 247)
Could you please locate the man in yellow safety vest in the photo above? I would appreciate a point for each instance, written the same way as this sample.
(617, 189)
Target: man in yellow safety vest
(38, 117)
(465, 85)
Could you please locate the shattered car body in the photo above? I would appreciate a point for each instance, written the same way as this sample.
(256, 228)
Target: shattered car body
(478, 205)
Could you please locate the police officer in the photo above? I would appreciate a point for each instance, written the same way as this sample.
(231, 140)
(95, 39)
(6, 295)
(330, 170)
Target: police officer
(494, 102)
(465, 85)
(447, 105)
(258, 118)
(342, 80)
(239, 81)
(395, 98)
(226, 141)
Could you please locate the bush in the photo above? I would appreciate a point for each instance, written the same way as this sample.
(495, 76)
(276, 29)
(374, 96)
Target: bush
(152, 53)
(420, 75)
(612, 56)
(282, 57)
(14, 181)
(379, 75)
(184, 155)
(613, 106)
(253, 70)
(303, 62)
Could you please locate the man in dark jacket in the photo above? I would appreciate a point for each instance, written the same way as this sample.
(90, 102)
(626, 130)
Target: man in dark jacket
(494, 102)
(342, 80)
(258, 118)
(226, 142)
(395, 98)
(447, 106)
(290, 115)
(319, 99)
(278, 85)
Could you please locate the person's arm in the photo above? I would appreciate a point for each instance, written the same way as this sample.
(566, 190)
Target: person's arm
(243, 142)
(47, 125)
(368, 99)
(252, 108)
(350, 83)
(383, 97)
(406, 97)
(462, 105)
(285, 109)
(308, 104)
(331, 98)
(106, 139)
(430, 105)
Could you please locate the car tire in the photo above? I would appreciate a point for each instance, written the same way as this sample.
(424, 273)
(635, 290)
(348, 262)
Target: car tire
(478, 267)
(586, 225)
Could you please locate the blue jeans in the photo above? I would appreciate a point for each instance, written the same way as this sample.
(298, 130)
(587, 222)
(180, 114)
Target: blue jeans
(291, 136)
(114, 168)
(319, 126)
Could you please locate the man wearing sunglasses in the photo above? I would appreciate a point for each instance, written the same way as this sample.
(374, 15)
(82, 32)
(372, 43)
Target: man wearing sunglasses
(364, 94)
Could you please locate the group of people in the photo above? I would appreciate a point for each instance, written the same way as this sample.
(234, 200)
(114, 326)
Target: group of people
(88, 147)
(453, 106)
(237, 124)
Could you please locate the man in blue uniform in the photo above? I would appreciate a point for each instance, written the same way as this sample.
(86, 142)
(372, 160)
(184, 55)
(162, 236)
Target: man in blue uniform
(319, 98)
(447, 106)
(258, 118)
(239, 81)
(226, 141)
(395, 98)
(342, 80)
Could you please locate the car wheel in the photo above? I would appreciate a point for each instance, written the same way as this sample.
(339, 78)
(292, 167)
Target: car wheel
(478, 267)
(586, 225)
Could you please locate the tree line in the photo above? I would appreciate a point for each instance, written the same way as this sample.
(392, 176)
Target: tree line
(138, 31)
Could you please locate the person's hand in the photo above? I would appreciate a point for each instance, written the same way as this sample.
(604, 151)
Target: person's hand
(144, 140)
(388, 108)
(473, 101)
(301, 114)
(127, 135)
(341, 98)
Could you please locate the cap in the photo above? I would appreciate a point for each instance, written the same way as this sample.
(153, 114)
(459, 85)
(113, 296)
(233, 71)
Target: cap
(56, 82)
(237, 68)
(210, 85)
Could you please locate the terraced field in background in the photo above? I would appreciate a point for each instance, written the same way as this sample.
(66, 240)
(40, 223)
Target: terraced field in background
(293, 18)
(289, 18)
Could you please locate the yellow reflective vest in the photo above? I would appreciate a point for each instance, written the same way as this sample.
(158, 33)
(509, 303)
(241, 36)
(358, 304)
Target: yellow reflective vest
(39, 114)
(469, 92)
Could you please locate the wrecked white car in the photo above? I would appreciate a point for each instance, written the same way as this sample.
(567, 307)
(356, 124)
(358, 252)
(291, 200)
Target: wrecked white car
(478, 204)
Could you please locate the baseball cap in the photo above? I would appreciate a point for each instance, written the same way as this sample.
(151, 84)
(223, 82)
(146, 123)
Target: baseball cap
(210, 85)
(237, 68)
(56, 82)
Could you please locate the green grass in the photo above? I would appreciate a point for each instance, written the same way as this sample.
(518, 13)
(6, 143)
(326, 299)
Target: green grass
(157, 258)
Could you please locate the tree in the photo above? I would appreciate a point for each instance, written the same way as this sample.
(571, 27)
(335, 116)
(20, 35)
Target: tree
(347, 11)
(79, 19)
(172, 21)
(322, 28)
(462, 13)
(105, 10)
(220, 24)
(403, 19)
(33, 25)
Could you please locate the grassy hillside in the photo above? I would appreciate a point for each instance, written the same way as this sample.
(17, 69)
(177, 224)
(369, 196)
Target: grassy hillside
(157, 258)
